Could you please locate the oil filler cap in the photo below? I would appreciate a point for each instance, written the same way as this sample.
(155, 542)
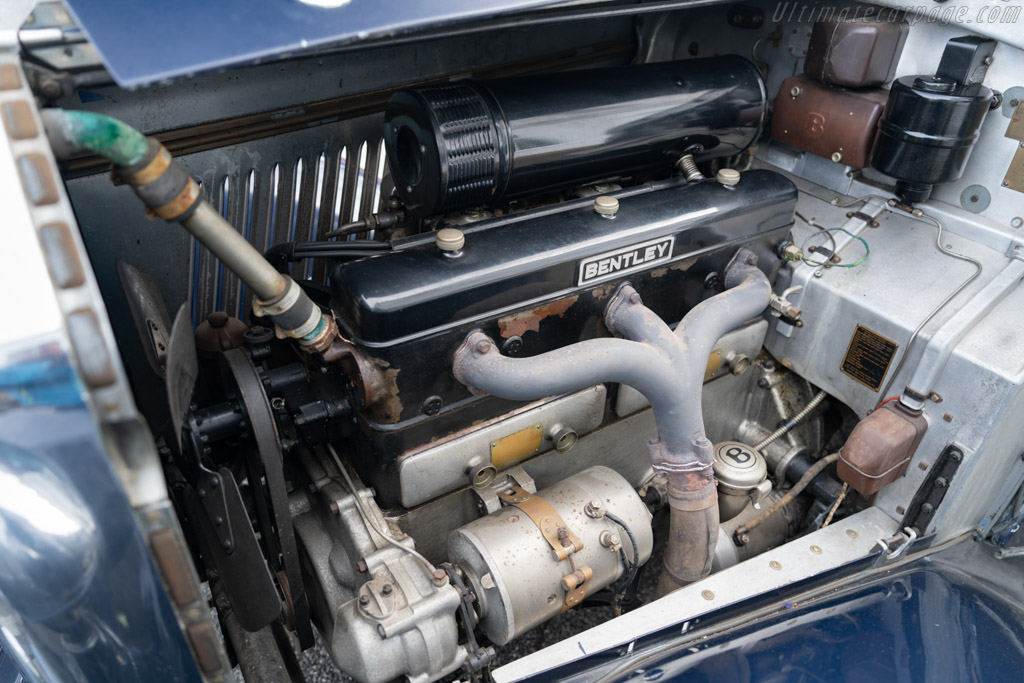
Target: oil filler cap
(449, 239)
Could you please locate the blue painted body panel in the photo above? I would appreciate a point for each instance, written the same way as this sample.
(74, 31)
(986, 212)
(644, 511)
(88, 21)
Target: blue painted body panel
(940, 618)
(147, 42)
(73, 565)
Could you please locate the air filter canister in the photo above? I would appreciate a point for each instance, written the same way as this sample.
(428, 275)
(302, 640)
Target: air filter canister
(471, 143)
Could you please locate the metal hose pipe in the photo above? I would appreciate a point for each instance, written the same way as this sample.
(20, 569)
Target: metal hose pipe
(169, 192)
(668, 369)
(792, 422)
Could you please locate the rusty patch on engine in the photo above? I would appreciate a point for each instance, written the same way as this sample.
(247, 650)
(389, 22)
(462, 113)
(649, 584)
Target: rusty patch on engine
(387, 408)
(518, 324)
(604, 291)
(684, 266)
(659, 272)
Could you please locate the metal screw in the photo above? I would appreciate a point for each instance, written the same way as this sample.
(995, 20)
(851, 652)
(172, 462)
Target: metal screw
(433, 405)
(1014, 102)
(361, 566)
(941, 483)
(707, 595)
(385, 589)
(364, 600)
(593, 509)
(927, 509)
(712, 280)
(816, 550)
(440, 577)
(817, 273)
(763, 383)
(634, 298)
(333, 507)
(775, 564)
(851, 533)
(483, 346)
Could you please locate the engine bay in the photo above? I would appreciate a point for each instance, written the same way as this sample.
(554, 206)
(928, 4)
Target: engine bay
(647, 313)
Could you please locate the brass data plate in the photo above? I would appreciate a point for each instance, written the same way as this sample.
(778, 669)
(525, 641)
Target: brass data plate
(1016, 128)
(514, 447)
(1015, 174)
(868, 357)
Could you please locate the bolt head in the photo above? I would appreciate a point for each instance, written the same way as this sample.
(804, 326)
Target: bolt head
(433, 405)
(364, 600)
(333, 507)
(513, 345)
(361, 566)
(440, 577)
(763, 383)
(483, 346)
(386, 589)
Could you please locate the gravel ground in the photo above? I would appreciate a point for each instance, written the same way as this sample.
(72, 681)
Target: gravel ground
(319, 668)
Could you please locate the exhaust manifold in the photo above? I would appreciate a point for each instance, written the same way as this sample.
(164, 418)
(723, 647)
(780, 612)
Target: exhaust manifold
(667, 367)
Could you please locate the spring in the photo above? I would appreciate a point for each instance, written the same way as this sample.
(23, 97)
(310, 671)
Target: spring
(689, 168)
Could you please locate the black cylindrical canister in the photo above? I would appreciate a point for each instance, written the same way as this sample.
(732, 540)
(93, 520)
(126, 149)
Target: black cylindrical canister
(472, 143)
(927, 132)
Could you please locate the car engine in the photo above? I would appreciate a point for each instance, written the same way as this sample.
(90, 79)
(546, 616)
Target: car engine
(408, 346)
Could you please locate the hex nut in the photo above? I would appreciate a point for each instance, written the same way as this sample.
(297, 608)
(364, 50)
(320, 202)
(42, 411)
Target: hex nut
(449, 240)
(609, 539)
(606, 206)
(593, 509)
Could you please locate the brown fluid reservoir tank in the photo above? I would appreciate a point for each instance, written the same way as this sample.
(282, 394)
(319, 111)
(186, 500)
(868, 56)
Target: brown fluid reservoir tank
(880, 447)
